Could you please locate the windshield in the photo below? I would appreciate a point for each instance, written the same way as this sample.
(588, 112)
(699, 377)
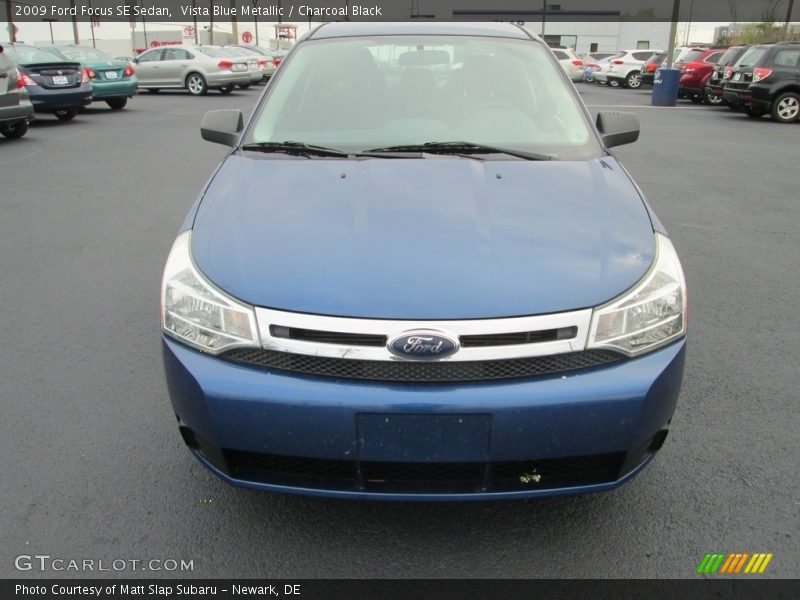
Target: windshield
(26, 55)
(83, 54)
(363, 93)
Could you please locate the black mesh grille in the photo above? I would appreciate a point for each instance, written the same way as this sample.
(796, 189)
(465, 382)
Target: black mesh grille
(422, 372)
(420, 477)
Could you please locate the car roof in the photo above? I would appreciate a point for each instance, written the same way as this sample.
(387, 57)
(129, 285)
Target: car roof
(367, 28)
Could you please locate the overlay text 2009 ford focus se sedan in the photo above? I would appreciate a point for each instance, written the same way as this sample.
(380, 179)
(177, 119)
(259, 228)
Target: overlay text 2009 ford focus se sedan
(422, 277)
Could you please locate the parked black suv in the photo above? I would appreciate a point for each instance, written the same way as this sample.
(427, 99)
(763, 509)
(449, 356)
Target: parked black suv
(721, 73)
(16, 111)
(766, 79)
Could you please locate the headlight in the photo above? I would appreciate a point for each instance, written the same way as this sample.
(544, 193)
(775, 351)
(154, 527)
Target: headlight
(195, 312)
(651, 314)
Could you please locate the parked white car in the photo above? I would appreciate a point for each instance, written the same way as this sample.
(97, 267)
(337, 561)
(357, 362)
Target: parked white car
(625, 68)
(570, 62)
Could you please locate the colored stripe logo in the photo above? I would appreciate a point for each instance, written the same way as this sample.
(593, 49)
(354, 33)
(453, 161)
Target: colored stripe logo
(733, 563)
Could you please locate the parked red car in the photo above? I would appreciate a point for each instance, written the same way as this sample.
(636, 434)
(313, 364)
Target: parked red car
(696, 68)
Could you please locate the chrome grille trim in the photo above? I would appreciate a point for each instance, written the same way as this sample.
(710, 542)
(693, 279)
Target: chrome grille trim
(579, 319)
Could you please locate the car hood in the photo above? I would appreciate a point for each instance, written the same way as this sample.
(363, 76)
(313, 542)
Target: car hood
(435, 238)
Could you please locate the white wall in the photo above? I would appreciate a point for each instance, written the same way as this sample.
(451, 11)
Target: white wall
(609, 36)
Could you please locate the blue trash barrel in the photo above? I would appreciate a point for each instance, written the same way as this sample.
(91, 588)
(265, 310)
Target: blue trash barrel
(665, 87)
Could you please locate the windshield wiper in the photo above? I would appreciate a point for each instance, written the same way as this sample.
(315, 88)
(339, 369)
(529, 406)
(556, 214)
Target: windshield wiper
(459, 149)
(297, 148)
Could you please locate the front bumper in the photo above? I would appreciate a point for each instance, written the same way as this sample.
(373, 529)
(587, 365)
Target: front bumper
(573, 432)
(124, 88)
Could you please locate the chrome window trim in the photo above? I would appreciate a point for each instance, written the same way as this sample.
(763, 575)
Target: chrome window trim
(581, 319)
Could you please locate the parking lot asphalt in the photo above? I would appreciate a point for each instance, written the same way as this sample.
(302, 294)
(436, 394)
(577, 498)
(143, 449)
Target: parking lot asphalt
(93, 466)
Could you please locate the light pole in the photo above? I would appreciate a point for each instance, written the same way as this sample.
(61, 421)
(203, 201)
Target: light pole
(194, 23)
(211, 28)
(544, 14)
(788, 20)
(50, 22)
(689, 24)
(255, 18)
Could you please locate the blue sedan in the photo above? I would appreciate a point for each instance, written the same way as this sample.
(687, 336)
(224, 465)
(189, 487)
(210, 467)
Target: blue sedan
(424, 277)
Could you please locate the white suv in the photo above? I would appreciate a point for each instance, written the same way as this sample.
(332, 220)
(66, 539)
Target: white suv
(626, 67)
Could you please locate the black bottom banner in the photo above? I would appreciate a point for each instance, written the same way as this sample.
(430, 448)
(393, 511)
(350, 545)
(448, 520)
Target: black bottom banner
(400, 589)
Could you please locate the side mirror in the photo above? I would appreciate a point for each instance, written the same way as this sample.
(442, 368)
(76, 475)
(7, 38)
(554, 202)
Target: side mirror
(222, 126)
(617, 128)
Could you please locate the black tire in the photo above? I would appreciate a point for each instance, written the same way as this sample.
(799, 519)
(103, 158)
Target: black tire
(14, 130)
(227, 89)
(613, 83)
(786, 108)
(196, 84)
(752, 112)
(153, 90)
(244, 86)
(65, 114)
(117, 103)
(696, 98)
(634, 80)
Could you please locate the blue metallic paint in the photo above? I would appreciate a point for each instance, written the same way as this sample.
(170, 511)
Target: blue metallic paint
(404, 238)
(607, 409)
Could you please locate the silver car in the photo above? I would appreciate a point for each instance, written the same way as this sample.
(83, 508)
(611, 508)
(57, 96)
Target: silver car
(272, 57)
(194, 68)
(254, 63)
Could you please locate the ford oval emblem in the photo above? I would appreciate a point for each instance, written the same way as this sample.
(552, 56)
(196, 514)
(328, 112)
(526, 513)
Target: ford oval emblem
(422, 344)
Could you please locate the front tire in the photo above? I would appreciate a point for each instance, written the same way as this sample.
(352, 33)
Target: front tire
(196, 84)
(786, 108)
(14, 130)
(117, 103)
(65, 114)
(633, 80)
(227, 89)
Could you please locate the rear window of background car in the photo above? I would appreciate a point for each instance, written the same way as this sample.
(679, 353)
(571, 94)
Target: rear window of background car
(560, 55)
(787, 58)
(752, 57)
(693, 55)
